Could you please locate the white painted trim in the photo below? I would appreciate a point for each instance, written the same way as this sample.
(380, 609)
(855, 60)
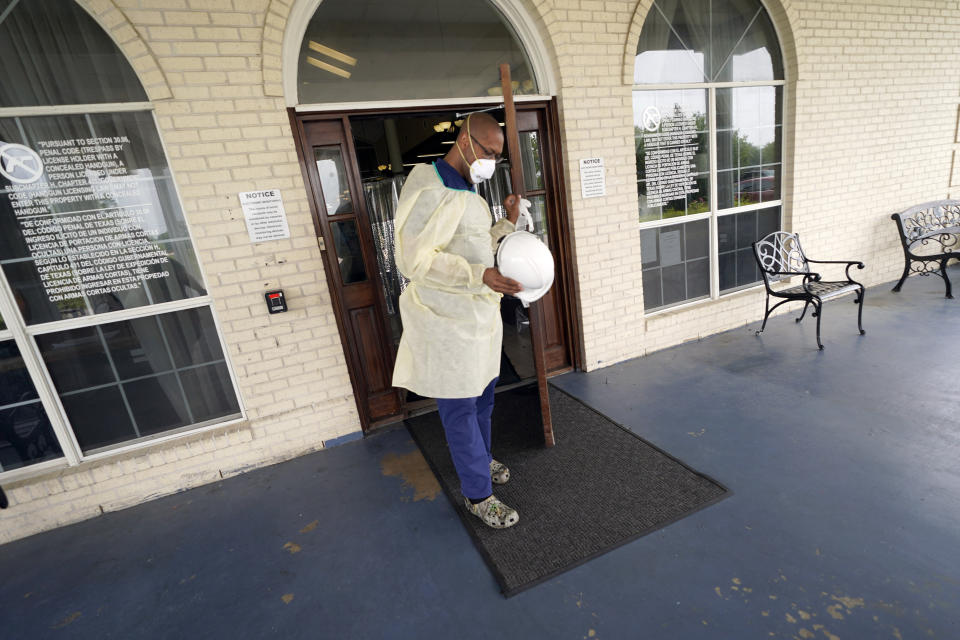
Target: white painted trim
(117, 316)
(532, 42)
(38, 373)
(31, 471)
(708, 85)
(6, 334)
(714, 231)
(685, 306)
(161, 439)
(385, 105)
(74, 109)
(769, 204)
(521, 23)
(666, 222)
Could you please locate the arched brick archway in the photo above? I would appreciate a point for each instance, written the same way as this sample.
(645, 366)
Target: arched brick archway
(138, 53)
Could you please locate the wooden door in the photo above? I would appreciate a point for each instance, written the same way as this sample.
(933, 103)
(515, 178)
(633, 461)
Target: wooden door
(328, 160)
(539, 150)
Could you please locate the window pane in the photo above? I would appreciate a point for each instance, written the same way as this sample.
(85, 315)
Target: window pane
(122, 381)
(26, 436)
(673, 44)
(676, 263)
(745, 46)
(749, 132)
(333, 179)
(89, 218)
(356, 50)
(349, 254)
(735, 234)
(707, 40)
(54, 53)
(670, 133)
(538, 211)
(532, 163)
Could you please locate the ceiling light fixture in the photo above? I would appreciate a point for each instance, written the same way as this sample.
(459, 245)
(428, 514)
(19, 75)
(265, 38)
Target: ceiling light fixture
(320, 64)
(333, 53)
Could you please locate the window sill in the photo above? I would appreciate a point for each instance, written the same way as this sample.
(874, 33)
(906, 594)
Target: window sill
(57, 468)
(686, 306)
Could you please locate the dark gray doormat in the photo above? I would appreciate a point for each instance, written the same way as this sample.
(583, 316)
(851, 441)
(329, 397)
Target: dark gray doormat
(622, 486)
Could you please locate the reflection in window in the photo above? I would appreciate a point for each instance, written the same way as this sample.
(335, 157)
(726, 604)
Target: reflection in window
(676, 263)
(707, 41)
(736, 234)
(702, 42)
(123, 381)
(54, 53)
(333, 179)
(359, 50)
(749, 145)
(532, 162)
(101, 229)
(349, 254)
(26, 436)
(673, 161)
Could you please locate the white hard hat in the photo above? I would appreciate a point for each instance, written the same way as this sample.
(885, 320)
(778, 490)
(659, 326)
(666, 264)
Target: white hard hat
(522, 257)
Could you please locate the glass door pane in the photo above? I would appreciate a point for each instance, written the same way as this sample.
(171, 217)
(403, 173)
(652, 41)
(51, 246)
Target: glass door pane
(333, 179)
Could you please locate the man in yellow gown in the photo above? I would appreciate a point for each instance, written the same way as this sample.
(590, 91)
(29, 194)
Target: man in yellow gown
(452, 331)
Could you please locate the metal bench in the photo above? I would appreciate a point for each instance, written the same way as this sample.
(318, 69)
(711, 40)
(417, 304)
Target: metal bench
(930, 235)
(779, 255)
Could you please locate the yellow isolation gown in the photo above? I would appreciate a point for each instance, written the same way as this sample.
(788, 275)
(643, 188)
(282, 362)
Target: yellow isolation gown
(452, 332)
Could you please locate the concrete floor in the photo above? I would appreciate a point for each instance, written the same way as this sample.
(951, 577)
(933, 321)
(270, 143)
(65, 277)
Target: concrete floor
(844, 520)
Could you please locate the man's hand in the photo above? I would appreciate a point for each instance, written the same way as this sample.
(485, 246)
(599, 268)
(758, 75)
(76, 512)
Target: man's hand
(500, 283)
(512, 205)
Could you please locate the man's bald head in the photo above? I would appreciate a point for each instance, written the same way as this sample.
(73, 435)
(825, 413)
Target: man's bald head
(486, 130)
(480, 137)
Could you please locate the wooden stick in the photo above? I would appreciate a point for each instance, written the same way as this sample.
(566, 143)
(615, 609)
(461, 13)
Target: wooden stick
(537, 331)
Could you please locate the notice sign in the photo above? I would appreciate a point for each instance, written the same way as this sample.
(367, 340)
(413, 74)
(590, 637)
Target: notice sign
(83, 215)
(266, 219)
(593, 183)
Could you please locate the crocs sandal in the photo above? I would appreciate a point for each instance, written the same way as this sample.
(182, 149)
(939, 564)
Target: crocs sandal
(493, 513)
(499, 474)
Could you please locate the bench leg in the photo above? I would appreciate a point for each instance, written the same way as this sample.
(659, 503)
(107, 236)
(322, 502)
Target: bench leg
(906, 272)
(805, 305)
(768, 310)
(946, 278)
(817, 312)
(859, 301)
(766, 314)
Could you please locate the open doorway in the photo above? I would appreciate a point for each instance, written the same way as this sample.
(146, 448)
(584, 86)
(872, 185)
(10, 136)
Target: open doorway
(387, 149)
(355, 165)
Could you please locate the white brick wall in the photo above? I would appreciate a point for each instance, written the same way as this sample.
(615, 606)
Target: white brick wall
(871, 127)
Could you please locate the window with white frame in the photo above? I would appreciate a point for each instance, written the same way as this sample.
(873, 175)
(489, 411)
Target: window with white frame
(708, 105)
(107, 332)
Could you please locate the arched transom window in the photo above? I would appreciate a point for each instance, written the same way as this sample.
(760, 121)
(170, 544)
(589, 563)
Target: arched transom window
(375, 50)
(707, 103)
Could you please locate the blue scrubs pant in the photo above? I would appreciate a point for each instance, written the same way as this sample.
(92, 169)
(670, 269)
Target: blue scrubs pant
(466, 422)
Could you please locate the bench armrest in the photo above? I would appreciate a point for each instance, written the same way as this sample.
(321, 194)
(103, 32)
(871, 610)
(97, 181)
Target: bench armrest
(808, 276)
(849, 263)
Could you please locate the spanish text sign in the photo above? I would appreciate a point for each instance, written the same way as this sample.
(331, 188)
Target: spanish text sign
(266, 219)
(593, 182)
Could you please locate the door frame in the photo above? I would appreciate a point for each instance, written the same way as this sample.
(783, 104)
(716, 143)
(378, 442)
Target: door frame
(557, 188)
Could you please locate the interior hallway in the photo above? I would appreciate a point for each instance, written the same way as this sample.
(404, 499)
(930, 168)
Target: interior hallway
(844, 520)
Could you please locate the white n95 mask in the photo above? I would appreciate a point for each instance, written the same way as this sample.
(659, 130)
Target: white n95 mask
(482, 169)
